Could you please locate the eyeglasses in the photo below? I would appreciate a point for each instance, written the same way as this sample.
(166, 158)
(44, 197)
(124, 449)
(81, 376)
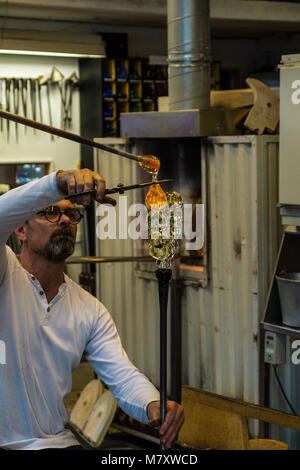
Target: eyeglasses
(53, 214)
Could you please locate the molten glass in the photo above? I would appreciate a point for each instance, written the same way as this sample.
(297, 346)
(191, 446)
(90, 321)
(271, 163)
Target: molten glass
(149, 163)
(155, 195)
(163, 217)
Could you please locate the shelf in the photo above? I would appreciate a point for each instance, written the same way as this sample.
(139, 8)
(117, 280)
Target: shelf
(283, 329)
(288, 260)
(133, 93)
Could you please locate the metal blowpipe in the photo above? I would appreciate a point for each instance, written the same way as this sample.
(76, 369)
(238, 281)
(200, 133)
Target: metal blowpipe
(66, 135)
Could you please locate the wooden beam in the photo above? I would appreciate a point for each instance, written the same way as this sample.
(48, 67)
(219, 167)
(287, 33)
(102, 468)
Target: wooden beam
(231, 98)
(248, 410)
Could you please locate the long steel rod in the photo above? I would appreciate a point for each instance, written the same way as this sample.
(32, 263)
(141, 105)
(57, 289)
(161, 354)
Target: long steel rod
(65, 134)
(107, 259)
(163, 277)
(176, 332)
(148, 437)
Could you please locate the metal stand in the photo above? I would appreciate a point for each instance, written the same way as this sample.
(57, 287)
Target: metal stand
(176, 332)
(163, 277)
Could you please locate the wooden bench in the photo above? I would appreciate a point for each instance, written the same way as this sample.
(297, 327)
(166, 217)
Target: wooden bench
(216, 422)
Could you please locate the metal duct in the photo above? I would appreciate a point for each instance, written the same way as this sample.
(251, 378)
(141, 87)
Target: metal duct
(188, 54)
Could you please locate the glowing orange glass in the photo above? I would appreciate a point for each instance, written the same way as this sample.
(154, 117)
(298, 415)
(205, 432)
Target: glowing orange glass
(149, 163)
(155, 195)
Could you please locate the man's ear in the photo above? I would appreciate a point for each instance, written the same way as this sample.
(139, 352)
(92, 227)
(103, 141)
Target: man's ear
(21, 233)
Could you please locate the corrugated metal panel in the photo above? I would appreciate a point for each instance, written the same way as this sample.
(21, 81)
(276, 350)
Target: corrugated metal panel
(221, 321)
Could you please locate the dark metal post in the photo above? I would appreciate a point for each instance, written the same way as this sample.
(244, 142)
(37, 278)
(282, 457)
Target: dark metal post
(176, 333)
(163, 277)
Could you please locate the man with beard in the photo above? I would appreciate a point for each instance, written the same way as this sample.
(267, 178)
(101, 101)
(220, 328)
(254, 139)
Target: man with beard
(47, 321)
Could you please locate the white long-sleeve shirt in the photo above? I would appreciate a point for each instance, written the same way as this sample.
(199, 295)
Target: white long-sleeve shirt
(45, 342)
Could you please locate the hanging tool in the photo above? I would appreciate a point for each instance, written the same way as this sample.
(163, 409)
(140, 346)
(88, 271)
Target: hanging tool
(66, 87)
(41, 80)
(57, 78)
(16, 100)
(2, 100)
(119, 189)
(32, 83)
(49, 106)
(70, 84)
(7, 98)
(24, 93)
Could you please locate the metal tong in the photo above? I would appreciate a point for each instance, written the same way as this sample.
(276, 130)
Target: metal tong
(119, 189)
(24, 93)
(7, 99)
(70, 84)
(16, 100)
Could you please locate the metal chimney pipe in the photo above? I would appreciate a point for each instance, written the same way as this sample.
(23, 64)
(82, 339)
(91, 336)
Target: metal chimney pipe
(189, 54)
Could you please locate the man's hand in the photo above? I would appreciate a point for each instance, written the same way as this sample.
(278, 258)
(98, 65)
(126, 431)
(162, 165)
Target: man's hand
(173, 421)
(79, 181)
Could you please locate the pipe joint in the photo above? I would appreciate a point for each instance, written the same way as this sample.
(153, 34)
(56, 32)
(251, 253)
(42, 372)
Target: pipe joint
(179, 59)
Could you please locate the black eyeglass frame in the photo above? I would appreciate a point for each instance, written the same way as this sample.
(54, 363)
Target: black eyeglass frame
(72, 221)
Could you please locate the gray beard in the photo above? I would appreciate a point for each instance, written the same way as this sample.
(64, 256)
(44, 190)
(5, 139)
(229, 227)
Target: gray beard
(60, 245)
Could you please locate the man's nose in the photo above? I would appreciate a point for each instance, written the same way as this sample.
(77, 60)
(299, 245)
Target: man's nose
(64, 219)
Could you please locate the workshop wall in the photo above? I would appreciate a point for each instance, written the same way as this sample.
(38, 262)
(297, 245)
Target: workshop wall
(257, 57)
(33, 145)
